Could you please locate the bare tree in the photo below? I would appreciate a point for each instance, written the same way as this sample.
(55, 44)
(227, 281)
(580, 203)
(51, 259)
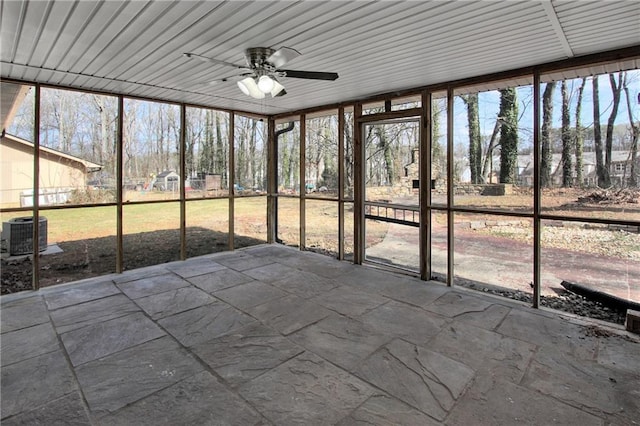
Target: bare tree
(475, 146)
(635, 135)
(601, 171)
(616, 89)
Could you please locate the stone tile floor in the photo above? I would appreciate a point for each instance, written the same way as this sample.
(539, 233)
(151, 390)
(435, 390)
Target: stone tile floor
(272, 335)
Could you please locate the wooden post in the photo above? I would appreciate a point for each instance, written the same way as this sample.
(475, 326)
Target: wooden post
(537, 226)
(183, 178)
(450, 200)
(341, 170)
(119, 191)
(232, 179)
(35, 262)
(272, 181)
(303, 180)
(358, 187)
(425, 187)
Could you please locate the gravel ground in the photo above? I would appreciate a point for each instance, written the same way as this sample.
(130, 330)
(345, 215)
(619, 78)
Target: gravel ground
(605, 242)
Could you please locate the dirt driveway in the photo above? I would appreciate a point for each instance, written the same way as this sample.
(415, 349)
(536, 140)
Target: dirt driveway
(509, 263)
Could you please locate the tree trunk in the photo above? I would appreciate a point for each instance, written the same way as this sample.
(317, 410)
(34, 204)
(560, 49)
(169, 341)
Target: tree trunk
(579, 138)
(475, 148)
(635, 135)
(616, 89)
(488, 156)
(601, 171)
(545, 140)
(508, 136)
(567, 147)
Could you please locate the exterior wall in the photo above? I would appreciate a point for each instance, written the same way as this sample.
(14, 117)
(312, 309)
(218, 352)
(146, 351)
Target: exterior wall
(17, 172)
(16, 163)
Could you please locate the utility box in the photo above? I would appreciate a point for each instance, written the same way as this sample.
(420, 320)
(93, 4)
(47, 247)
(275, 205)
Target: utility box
(632, 322)
(18, 235)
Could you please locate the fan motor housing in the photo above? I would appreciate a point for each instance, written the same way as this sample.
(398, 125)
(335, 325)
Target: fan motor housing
(256, 57)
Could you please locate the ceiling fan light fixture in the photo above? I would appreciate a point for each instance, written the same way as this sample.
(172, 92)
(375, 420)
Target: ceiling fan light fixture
(266, 84)
(277, 90)
(250, 88)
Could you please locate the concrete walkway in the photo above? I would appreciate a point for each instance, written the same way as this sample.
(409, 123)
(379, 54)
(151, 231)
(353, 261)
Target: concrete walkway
(271, 335)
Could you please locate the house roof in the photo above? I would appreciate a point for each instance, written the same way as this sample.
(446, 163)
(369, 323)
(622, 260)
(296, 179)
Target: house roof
(10, 99)
(89, 166)
(166, 173)
(136, 47)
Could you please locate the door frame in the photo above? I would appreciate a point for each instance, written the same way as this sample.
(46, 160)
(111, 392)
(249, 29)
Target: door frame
(413, 114)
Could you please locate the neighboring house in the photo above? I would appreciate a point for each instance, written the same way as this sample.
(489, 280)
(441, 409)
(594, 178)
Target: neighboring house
(620, 168)
(60, 173)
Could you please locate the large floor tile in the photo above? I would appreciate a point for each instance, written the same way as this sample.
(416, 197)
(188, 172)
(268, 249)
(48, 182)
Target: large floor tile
(544, 329)
(68, 410)
(306, 390)
(140, 273)
(617, 353)
(587, 384)
(272, 250)
(204, 323)
(219, 280)
(101, 339)
(325, 267)
(23, 312)
(492, 355)
(271, 272)
(456, 304)
(288, 314)
(71, 295)
(111, 382)
(305, 284)
(174, 301)
(348, 301)
(27, 343)
(508, 404)
(383, 410)
(424, 379)
(35, 382)
(247, 353)
(89, 313)
(343, 341)
(197, 400)
(194, 267)
(242, 261)
(152, 285)
(414, 292)
(245, 296)
(399, 319)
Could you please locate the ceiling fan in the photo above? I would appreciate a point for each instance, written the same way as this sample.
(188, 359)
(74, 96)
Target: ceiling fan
(260, 76)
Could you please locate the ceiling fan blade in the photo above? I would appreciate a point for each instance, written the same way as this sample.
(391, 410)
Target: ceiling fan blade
(310, 75)
(282, 56)
(214, 61)
(230, 78)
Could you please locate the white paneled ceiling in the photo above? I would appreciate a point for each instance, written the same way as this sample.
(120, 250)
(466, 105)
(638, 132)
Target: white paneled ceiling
(135, 47)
